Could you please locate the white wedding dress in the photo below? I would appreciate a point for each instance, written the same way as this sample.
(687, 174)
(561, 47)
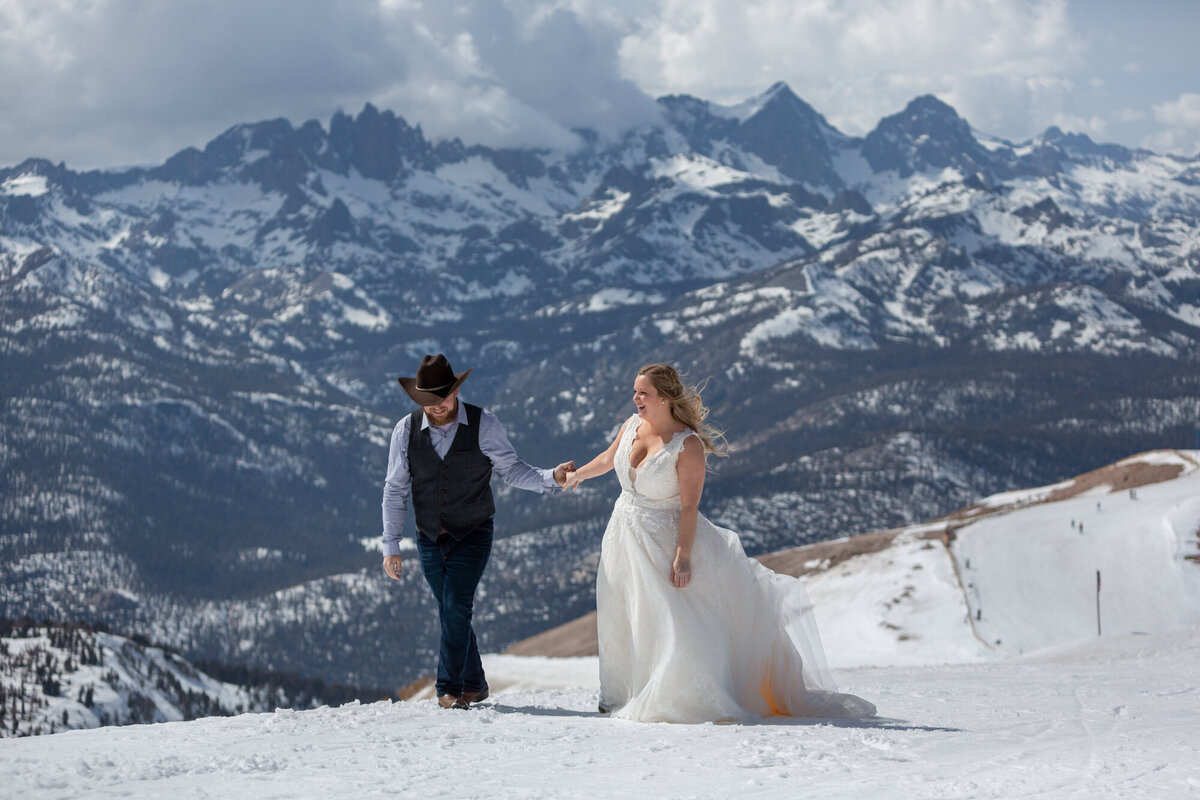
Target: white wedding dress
(738, 643)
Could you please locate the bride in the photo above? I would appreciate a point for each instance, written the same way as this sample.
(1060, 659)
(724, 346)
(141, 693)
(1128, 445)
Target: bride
(690, 628)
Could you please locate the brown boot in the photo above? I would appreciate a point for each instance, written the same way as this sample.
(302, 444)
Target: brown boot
(452, 701)
(475, 697)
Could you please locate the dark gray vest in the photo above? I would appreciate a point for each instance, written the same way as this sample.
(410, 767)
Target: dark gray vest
(451, 495)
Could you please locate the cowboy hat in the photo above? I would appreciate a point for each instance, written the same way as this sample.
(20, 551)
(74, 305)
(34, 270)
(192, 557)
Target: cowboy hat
(434, 382)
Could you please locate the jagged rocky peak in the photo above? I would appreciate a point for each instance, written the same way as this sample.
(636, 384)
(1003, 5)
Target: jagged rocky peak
(780, 99)
(379, 144)
(927, 134)
(789, 134)
(698, 120)
(1080, 145)
(279, 157)
(271, 153)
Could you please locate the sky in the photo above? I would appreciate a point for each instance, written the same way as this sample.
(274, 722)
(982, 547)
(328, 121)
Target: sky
(107, 83)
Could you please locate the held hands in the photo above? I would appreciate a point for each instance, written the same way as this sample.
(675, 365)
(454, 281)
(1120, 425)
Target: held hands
(572, 480)
(681, 571)
(391, 567)
(561, 472)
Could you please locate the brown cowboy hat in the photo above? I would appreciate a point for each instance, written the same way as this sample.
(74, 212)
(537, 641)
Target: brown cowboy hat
(434, 382)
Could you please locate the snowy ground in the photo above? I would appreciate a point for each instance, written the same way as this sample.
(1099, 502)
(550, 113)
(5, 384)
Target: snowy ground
(1116, 717)
(981, 655)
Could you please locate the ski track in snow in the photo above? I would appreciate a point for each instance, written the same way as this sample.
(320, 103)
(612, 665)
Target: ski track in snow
(1114, 717)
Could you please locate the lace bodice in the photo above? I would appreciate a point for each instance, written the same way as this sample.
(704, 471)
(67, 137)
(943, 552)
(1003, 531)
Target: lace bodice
(655, 479)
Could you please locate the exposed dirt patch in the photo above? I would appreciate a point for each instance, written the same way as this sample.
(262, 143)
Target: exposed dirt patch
(571, 639)
(810, 558)
(1120, 477)
(411, 690)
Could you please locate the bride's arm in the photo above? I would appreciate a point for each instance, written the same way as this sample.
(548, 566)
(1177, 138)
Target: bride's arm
(597, 466)
(690, 469)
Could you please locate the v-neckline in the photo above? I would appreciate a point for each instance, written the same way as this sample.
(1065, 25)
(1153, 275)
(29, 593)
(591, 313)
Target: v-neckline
(648, 456)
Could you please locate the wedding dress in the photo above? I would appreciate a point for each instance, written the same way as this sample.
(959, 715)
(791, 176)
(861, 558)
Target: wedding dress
(737, 643)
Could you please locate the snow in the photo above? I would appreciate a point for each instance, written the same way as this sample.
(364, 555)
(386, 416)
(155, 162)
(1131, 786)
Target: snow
(697, 173)
(1113, 718)
(784, 324)
(25, 186)
(608, 299)
(902, 606)
(608, 205)
(1133, 539)
(979, 649)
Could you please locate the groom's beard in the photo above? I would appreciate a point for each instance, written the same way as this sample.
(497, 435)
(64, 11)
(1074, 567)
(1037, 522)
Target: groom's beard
(443, 419)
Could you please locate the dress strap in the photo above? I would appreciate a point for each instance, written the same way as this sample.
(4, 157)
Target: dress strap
(682, 437)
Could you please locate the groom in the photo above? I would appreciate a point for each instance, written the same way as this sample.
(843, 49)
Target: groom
(442, 456)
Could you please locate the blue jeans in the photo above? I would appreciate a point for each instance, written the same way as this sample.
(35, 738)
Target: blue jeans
(452, 570)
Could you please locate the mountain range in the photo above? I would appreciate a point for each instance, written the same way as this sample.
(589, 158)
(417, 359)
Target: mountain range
(199, 357)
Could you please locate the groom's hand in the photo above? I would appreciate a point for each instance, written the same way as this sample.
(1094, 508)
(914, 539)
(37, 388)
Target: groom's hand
(391, 566)
(560, 472)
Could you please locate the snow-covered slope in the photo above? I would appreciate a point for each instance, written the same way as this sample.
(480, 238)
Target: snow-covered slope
(58, 678)
(1115, 718)
(1013, 574)
(1105, 560)
(1017, 573)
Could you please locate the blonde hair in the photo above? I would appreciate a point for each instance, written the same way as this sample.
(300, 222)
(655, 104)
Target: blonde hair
(686, 405)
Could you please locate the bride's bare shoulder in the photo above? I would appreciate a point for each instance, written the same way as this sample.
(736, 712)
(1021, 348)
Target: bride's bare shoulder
(693, 446)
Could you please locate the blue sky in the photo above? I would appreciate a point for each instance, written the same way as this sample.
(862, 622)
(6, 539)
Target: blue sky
(99, 83)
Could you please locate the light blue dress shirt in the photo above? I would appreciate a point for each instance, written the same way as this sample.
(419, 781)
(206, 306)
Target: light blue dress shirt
(494, 444)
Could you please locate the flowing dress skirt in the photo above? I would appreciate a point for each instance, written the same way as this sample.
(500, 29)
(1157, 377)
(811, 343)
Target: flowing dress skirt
(738, 643)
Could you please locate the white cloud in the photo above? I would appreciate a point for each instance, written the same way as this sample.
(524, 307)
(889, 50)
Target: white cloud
(1181, 113)
(1094, 127)
(104, 82)
(1182, 120)
(110, 81)
(1002, 64)
(122, 79)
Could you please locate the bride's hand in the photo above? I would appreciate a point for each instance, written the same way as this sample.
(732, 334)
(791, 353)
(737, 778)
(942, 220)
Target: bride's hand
(572, 480)
(681, 572)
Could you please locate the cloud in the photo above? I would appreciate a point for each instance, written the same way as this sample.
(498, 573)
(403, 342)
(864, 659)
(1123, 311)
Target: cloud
(100, 82)
(121, 78)
(515, 74)
(1181, 113)
(1002, 64)
(106, 82)
(1182, 120)
(1129, 115)
(1094, 127)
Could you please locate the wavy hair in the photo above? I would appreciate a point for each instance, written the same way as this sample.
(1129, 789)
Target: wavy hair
(686, 405)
